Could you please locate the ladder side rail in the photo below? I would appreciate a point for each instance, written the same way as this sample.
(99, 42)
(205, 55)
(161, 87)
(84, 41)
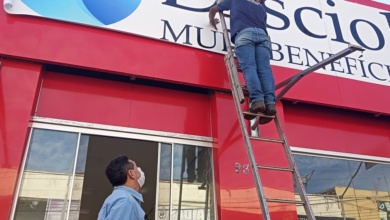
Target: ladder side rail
(236, 82)
(296, 174)
(232, 65)
(232, 80)
(225, 31)
(250, 153)
(351, 48)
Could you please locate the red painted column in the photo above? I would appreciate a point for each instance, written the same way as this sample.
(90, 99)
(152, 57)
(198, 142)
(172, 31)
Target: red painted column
(236, 192)
(19, 87)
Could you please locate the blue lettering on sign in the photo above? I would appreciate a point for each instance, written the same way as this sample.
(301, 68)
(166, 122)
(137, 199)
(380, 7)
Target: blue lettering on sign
(285, 53)
(334, 18)
(293, 54)
(349, 64)
(284, 18)
(280, 55)
(337, 28)
(356, 36)
(301, 26)
(387, 15)
(185, 29)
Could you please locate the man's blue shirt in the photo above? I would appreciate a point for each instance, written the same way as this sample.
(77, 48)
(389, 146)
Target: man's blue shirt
(244, 14)
(124, 203)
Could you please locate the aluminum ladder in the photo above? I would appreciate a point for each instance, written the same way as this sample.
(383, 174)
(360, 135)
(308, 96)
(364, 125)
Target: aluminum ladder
(239, 98)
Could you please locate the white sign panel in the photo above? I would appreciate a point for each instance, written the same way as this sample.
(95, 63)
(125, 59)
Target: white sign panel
(303, 32)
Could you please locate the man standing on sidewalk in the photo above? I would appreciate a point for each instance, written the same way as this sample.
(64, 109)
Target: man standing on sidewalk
(248, 21)
(125, 201)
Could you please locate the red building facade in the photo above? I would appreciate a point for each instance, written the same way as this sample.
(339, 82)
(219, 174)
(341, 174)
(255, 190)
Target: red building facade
(59, 76)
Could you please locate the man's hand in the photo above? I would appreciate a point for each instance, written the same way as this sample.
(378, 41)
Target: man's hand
(214, 23)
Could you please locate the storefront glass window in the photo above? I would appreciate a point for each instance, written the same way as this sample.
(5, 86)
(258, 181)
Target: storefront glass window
(192, 185)
(345, 189)
(64, 177)
(165, 182)
(79, 178)
(47, 176)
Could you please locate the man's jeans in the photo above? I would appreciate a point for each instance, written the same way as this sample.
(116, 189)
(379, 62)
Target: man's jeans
(253, 50)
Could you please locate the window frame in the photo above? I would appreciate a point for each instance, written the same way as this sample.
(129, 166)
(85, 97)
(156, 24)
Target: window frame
(85, 128)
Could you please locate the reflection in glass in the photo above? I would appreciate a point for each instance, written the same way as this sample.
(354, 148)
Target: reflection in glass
(345, 189)
(79, 178)
(47, 174)
(192, 185)
(53, 179)
(165, 182)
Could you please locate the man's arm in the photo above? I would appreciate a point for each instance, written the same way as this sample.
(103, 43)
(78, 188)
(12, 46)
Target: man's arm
(222, 6)
(213, 21)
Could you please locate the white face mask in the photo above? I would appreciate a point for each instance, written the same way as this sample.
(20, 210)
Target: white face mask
(141, 180)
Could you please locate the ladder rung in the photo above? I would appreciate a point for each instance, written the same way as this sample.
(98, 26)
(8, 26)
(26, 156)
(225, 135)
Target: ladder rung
(267, 139)
(285, 201)
(259, 114)
(226, 15)
(275, 168)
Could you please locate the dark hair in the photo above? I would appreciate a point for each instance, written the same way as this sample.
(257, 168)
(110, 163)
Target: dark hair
(116, 170)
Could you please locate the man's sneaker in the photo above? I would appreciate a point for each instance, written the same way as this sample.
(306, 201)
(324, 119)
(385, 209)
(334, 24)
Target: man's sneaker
(256, 107)
(270, 109)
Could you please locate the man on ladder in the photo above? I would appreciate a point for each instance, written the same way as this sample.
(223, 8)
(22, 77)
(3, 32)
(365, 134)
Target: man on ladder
(253, 50)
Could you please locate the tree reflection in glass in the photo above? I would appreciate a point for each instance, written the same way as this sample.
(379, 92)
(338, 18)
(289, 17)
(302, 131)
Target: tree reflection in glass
(47, 175)
(344, 189)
